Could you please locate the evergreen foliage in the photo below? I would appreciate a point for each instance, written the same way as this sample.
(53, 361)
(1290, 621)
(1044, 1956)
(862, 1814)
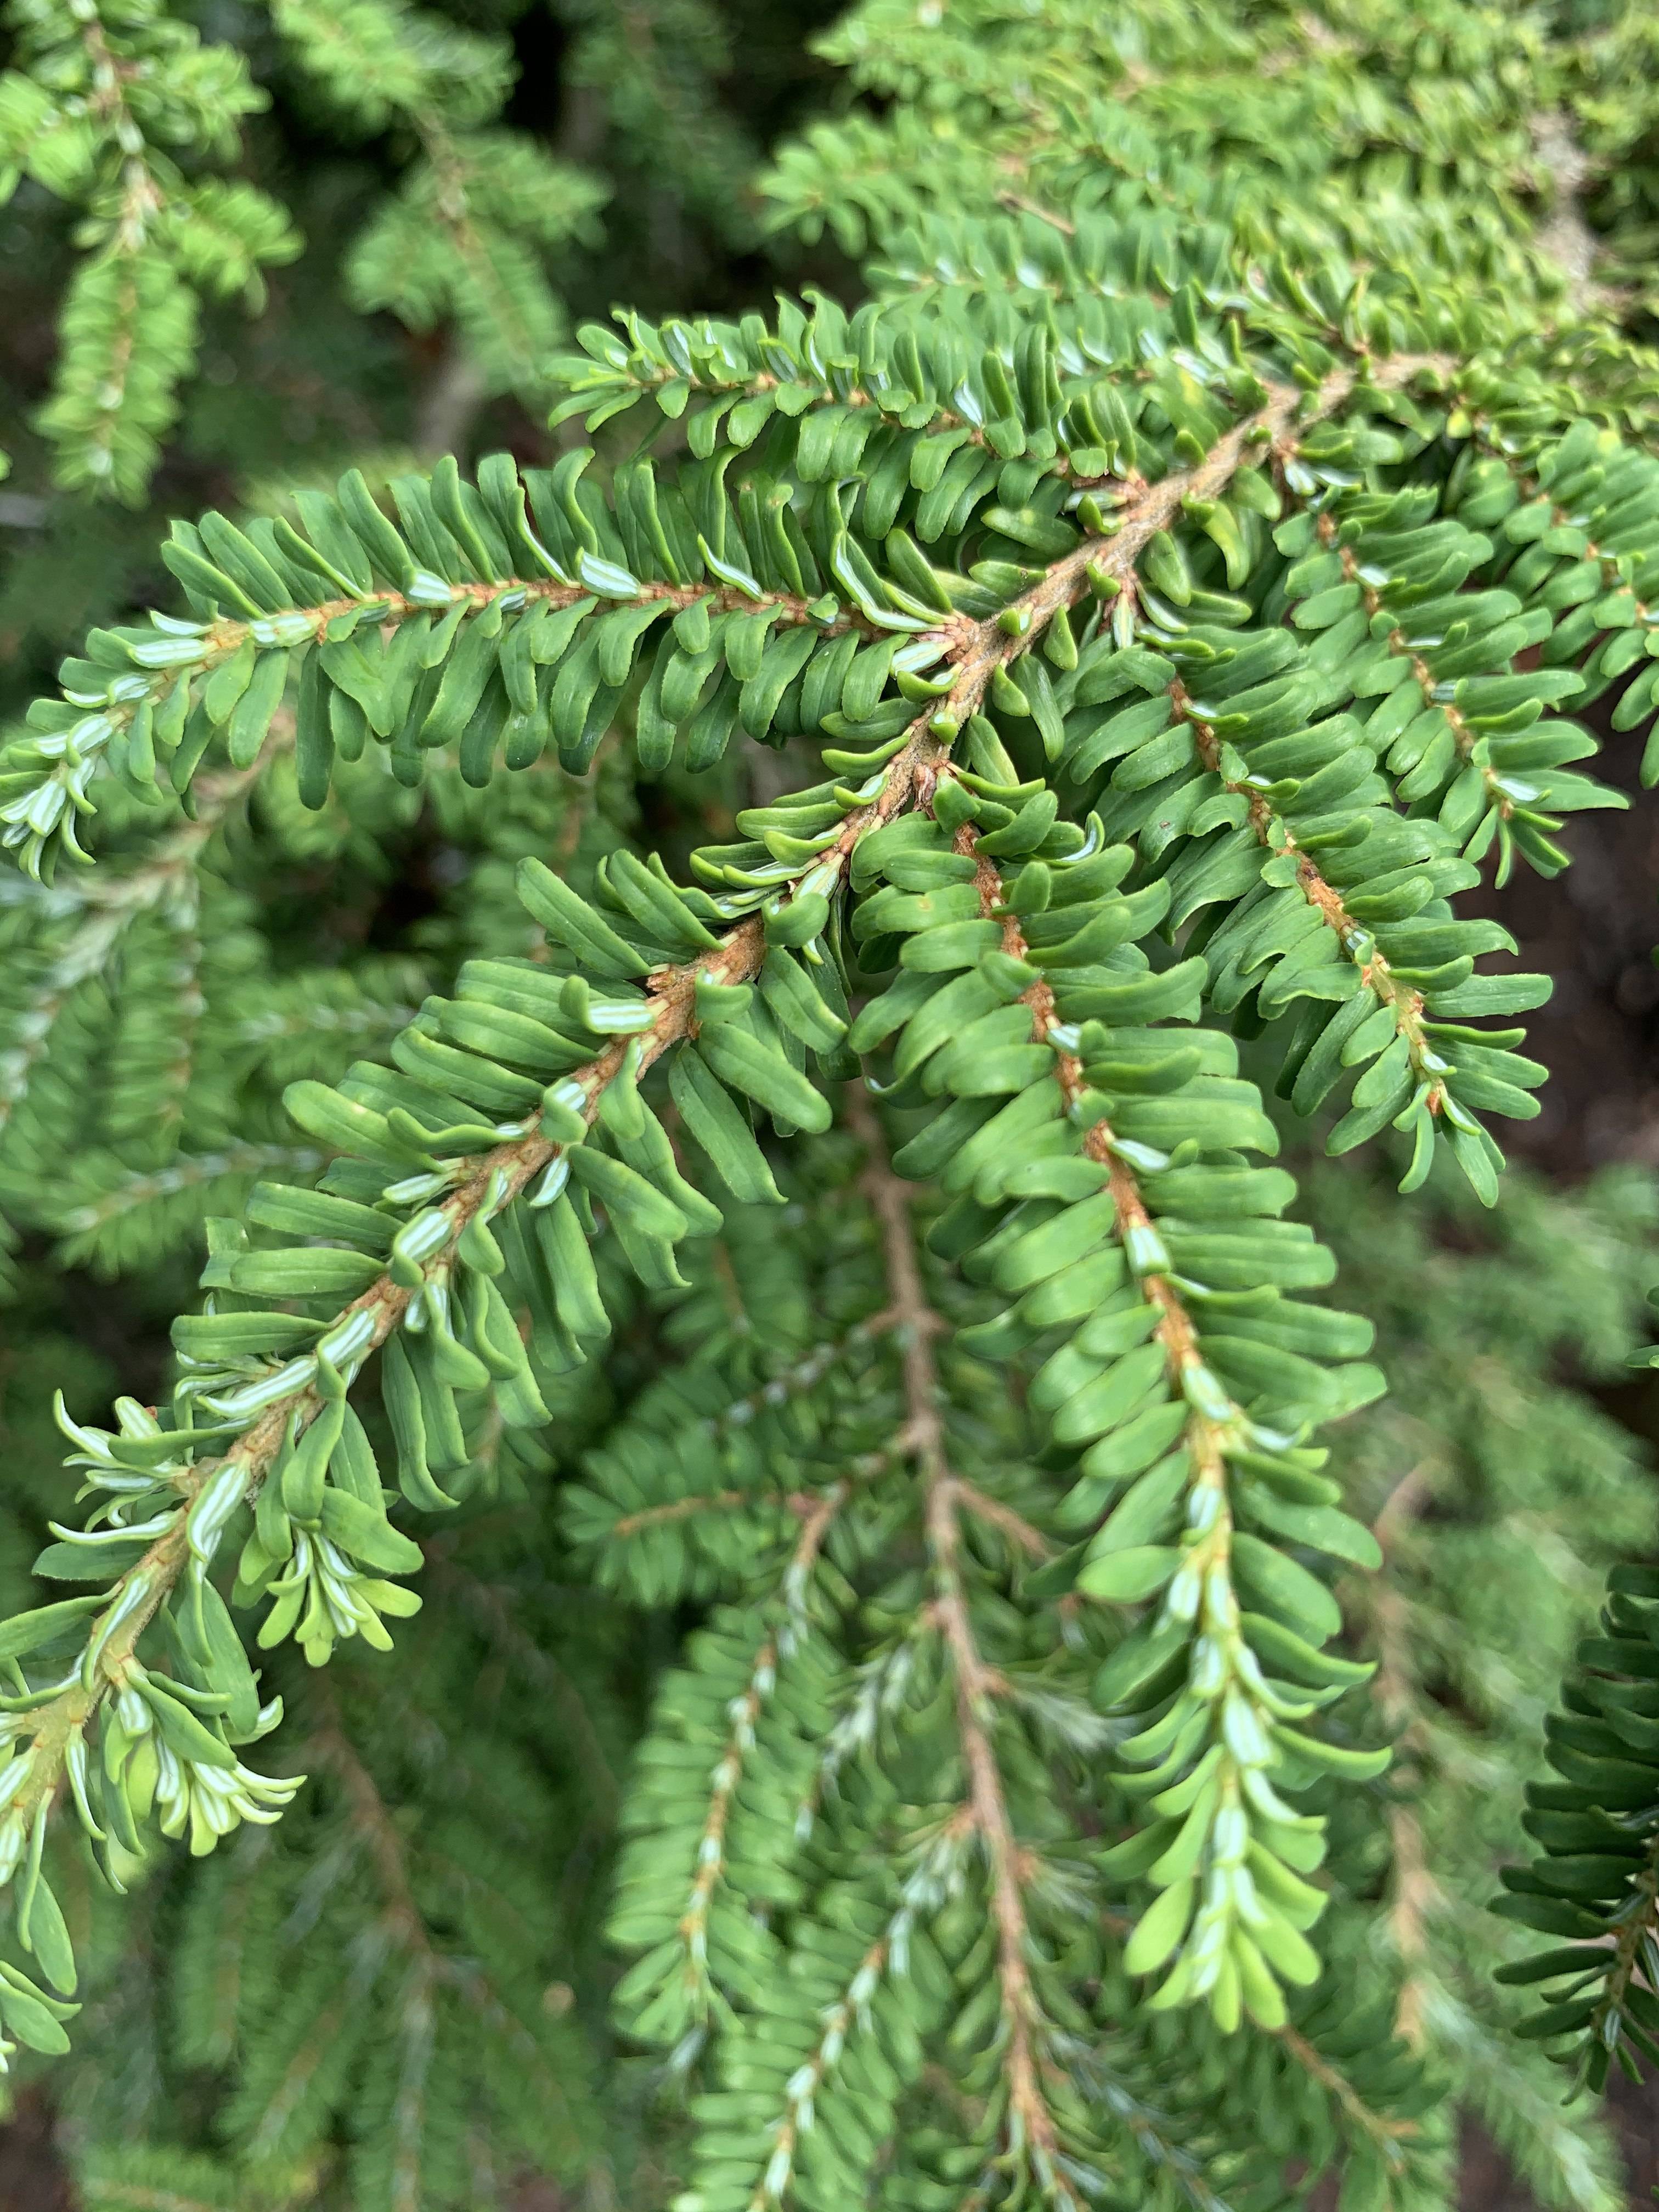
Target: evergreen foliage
(1598, 1872)
(753, 1382)
(1596, 1875)
(128, 116)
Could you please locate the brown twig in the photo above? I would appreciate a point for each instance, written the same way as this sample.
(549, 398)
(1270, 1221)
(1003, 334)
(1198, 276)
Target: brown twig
(328, 1745)
(1416, 1894)
(1382, 2129)
(1020, 205)
(1031, 2124)
(1004, 1519)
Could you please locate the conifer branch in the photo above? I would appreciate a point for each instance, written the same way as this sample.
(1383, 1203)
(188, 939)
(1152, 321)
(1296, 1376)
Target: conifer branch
(190, 1172)
(1021, 205)
(499, 1175)
(743, 1714)
(809, 2079)
(495, 1178)
(1032, 539)
(452, 191)
(491, 1606)
(924, 1884)
(1636, 607)
(977, 650)
(799, 1377)
(686, 1508)
(141, 205)
(994, 1514)
(804, 1505)
(1466, 740)
(94, 96)
(1596, 1877)
(235, 658)
(854, 1720)
(1176, 1330)
(1233, 1709)
(222, 639)
(1405, 1003)
(1147, 509)
(401, 1922)
(1385, 2129)
(1031, 2123)
(115, 901)
(1416, 1894)
(329, 1746)
(1634, 1945)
